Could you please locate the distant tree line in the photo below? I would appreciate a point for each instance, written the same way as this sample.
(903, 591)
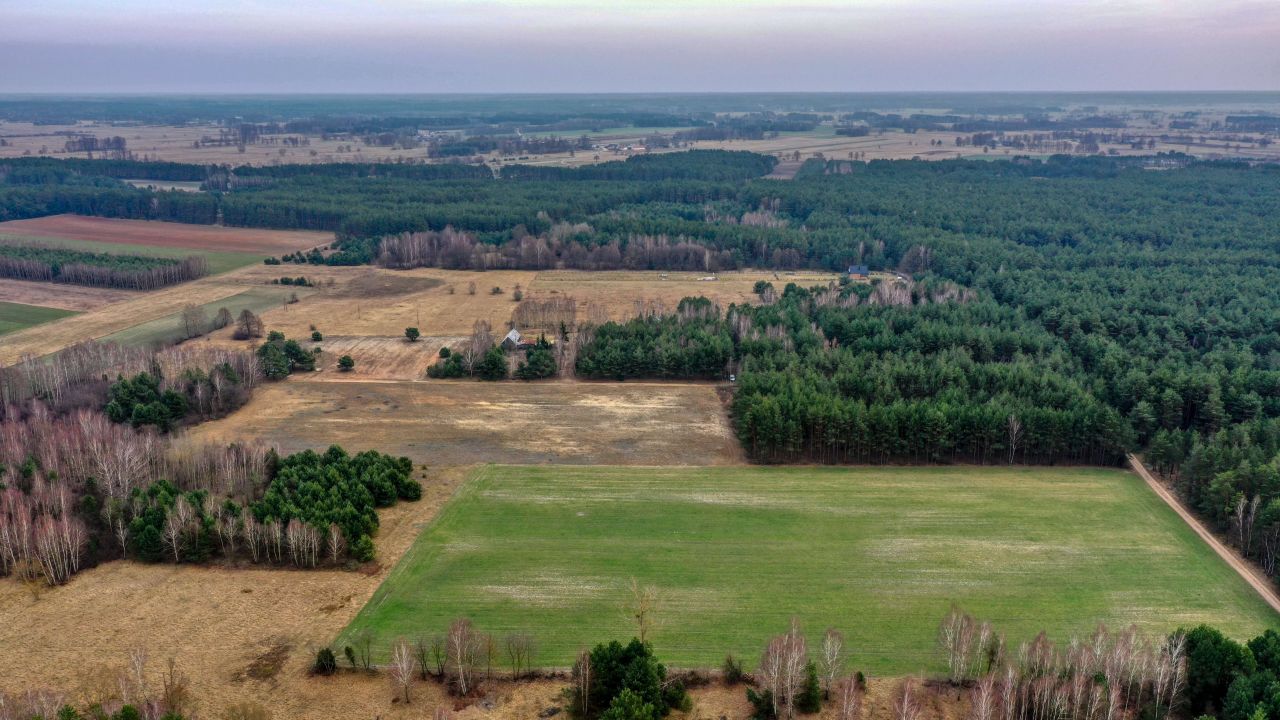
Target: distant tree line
(74, 267)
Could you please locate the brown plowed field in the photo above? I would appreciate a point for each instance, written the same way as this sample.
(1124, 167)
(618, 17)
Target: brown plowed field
(462, 422)
(166, 234)
(65, 297)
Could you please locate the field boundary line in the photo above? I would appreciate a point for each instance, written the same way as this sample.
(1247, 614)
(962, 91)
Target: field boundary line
(381, 593)
(1237, 563)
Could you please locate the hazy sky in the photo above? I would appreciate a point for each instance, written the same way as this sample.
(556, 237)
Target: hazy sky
(630, 46)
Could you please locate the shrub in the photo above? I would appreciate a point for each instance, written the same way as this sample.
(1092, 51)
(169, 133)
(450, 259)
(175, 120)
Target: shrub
(761, 704)
(496, 290)
(732, 671)
(346, 363)
(809, 701)
(539, 362)
(493, 366)
(326, 663)
(280, 357)
(629, 706)
(445, 353)
(616, 668)
(316, 336)
(363, 550)
(350, 653)
(412, 334)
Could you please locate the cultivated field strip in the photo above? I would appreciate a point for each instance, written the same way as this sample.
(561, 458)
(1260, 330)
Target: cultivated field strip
(141, 319)
(450, 423)
(736, 552)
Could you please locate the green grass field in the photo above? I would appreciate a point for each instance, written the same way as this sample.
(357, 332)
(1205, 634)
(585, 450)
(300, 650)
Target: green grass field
(16, 316)
(879, 553)
(219, 262)
(169, 328)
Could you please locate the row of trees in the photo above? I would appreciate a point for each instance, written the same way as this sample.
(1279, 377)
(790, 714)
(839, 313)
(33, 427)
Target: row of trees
(74, 267)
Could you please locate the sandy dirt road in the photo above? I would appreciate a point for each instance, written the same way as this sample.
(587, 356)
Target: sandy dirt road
(1232, 558)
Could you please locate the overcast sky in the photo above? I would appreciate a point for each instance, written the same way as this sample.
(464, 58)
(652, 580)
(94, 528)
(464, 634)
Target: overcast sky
(246, 46)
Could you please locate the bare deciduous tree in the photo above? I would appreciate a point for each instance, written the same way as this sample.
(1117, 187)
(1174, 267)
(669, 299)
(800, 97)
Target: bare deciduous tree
(906, 700)
(982, 698)
(402, 670)
(193, 321)
(582, 682)
(642, 609)
(463, 646)
(336, 544)
(519, 653)
(847, 694)
(831, 661)
(1015, 436)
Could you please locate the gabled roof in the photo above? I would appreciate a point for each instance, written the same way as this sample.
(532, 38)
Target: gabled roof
(513, 336)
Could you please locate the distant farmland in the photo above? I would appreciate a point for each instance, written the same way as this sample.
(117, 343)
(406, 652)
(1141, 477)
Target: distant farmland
(16, 316)
(735, 552)
(224, 248)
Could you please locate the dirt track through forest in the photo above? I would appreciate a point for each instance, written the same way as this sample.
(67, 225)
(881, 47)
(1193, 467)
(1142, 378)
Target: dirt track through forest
(1232, 558)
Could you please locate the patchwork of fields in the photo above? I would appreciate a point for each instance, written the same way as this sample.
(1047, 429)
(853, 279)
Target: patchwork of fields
(134, 317)
(735, 552)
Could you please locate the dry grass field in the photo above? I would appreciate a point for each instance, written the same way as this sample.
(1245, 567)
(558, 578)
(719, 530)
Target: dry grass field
(372, 302)
(166, 234)
(381, 358)
(62, 296)
(440, 422)
(374, 306)
(137, 310)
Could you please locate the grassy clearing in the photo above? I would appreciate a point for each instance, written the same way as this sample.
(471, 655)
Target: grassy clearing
(16, 316)
(169, 328)
(219, 261)
(735, 552)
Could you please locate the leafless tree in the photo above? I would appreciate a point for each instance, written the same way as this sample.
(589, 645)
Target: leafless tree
(222, 318)
(1015, 436)
(582, 682)
(336, 543)
(519, 653)
(439, 654)
(847, 694)
(463, 646)
(248, 326)
(254, 538)
(982, 698)
(175, 688)
(906, 700)
(402, 670)
(831, 661)
(177, 523)
(642, 609)
(193, 320)
(782, 668)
